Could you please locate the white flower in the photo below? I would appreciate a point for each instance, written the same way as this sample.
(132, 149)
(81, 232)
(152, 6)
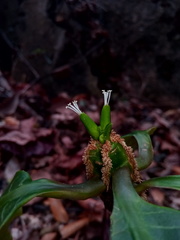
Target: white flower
(107, 96)
(74, 107)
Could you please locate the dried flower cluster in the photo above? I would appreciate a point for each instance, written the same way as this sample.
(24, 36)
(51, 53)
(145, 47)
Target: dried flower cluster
(106, 160)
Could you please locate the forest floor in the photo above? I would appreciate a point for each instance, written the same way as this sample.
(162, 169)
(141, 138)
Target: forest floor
(42, 137)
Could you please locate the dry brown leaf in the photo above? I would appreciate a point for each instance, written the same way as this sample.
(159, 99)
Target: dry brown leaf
(27, 125)
(94, 208)
(49, 236)
(67, 142)
(157, 195)
(58, 210)
(92, 204)
(43, 132)
(17, 137)
(176, 170)
(157, 114)
(11, 122)
(23, 135)
(73, 227)
(168, 146)
(175, 136)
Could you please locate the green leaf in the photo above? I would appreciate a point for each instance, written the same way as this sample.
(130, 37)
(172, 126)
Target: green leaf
(22, 189)
(141, 140)
(20, 178)
(151, 130)
(172, 182)
(135, 219)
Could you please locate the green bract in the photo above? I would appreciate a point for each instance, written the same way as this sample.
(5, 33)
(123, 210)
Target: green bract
(90, 125)
(118, 155)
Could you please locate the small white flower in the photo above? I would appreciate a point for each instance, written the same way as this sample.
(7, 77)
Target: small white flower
(74, 107)
(107, 96)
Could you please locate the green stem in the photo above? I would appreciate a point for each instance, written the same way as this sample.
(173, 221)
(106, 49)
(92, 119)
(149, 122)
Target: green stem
(15, 199)
(92, 188)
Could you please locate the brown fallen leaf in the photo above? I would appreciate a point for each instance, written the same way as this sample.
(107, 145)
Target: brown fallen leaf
(11, 122)
(23, 135)
(18, 137)
(58, 210)
(94, 209)
(175, 136)
(92, 204)
(67, 142)
(73, 227)
(49, 236)
(176, 170)
(168, 146)
(157, 195)
(160, 121)
(43, 132)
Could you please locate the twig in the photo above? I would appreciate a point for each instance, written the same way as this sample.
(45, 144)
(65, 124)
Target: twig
(19, 54)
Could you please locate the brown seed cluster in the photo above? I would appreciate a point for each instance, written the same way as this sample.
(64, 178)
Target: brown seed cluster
(92, 145)
(107, 162)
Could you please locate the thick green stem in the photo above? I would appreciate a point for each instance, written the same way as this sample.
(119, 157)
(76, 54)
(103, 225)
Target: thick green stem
(15, 199)
(91, 188)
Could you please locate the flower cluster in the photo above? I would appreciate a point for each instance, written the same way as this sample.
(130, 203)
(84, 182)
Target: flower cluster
(106, 150)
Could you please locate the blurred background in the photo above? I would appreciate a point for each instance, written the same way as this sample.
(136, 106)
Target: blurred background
(55, 51)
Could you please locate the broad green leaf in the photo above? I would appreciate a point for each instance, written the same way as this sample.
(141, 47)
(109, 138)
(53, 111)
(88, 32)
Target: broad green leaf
(172, 182)
(135, 219)
(14, 198)
(141, 140)
(20, 178)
